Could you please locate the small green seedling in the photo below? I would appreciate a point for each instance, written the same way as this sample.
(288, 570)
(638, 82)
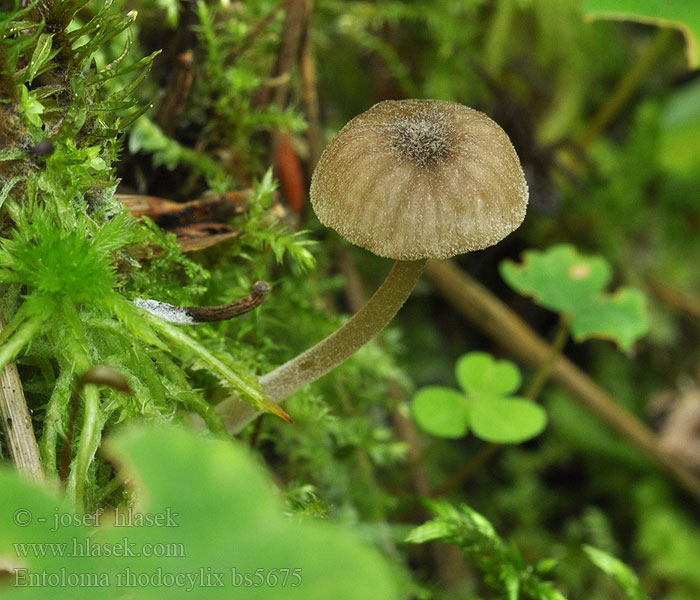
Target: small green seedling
(503, 567)
(486, 404)
(569, 283)
(502, 564)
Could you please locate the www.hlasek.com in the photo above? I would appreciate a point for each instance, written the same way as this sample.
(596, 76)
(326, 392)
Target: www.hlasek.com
(82, 547)
(201, 578)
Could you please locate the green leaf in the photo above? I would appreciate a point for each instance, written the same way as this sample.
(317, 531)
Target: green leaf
(478, 373)
(244, 382)
(432, 530)
(621, 317)
(448, 413)
(506, 420)
(559, 278)
(619, 571)
(441, 411)
(680, 14)
(223, 526)
(31, 107)
(509, 576)
(41, 56)
(564, 281)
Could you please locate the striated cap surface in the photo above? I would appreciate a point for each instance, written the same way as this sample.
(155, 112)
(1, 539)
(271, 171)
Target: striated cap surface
(413, 179)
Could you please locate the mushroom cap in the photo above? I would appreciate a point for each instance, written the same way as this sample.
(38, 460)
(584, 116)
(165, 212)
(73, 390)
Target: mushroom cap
(414, 179)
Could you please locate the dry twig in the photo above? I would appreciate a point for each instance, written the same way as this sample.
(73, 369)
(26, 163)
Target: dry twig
(17, 422)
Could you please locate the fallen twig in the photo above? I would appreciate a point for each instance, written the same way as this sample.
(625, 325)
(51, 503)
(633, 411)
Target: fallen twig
(310, 92)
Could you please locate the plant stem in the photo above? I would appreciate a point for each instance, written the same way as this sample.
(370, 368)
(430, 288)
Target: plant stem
(89, 441)
(626, 88)
(458, 478)
(342, 344)
(109, 489)
(53, 419)
(25, 333)
(310, 92)
(545, 369)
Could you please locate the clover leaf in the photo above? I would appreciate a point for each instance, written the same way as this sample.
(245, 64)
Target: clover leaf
(205, 524)
(441, 411)
(507, 420)
(479, 374)
(567, 282)
(485, 405)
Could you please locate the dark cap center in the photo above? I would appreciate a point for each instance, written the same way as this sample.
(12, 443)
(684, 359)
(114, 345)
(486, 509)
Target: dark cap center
(421, 138)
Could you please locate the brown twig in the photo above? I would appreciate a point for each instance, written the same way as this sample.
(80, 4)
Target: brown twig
(495, 319)
(224, 312)
(188, 315)
(168, 214)
(289, 168)
(310, 91)
(356, 297)
(677, 299)
(355, 293)
(292, 31)
(17, 422)
(176, 93)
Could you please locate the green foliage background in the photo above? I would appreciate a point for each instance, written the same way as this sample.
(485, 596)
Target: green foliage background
(93, 76)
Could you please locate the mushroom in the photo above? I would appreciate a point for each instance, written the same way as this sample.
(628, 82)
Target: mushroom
(408, 180)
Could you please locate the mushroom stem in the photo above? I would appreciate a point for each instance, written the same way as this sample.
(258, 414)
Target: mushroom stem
(343, 343)
(337, 347)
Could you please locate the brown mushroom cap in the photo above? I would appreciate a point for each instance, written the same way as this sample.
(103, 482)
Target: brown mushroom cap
(415, 179)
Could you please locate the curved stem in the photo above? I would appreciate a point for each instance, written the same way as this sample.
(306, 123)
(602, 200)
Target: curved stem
(53, 419)
(340, 345)
(336, 348)
(89, 442)
(538, 382)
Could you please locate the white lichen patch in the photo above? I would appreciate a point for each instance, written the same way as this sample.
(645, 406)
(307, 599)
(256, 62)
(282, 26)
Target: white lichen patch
(165, 311)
